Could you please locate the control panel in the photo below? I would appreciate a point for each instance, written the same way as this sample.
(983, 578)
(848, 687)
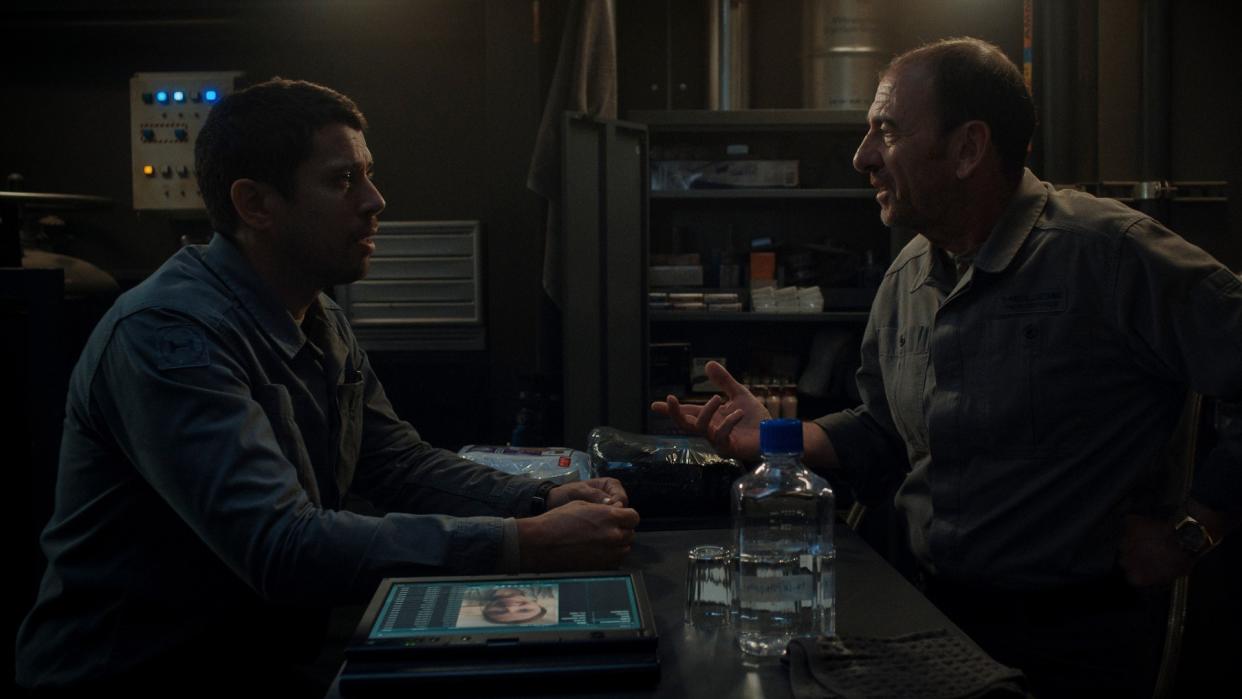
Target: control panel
(166, 112)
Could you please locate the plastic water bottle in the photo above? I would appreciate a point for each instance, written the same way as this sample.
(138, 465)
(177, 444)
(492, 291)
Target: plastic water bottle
(782, 526)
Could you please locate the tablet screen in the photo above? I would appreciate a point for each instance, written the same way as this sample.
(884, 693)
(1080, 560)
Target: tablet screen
(417, 609)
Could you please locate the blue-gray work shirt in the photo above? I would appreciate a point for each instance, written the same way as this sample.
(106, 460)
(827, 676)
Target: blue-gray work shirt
(1024, 406)
(209, 443)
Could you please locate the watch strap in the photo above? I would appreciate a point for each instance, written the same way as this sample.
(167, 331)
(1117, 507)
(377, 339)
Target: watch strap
(539, 501)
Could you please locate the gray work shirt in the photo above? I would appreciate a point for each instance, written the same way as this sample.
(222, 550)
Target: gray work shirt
(209, 443)
(1030, 398)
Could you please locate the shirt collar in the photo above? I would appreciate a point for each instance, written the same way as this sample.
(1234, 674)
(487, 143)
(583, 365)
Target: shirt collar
(226, 260)
(1014, 226)
(918, 247)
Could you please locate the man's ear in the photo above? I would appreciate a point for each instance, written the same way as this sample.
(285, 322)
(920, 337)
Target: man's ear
(971, 144)
(253, 201)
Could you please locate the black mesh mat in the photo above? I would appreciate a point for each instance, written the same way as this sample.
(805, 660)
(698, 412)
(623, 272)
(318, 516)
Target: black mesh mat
(928, 665)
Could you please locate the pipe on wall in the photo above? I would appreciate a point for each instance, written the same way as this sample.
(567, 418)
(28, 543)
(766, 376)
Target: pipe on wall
(1066, 72)
(1155, 92)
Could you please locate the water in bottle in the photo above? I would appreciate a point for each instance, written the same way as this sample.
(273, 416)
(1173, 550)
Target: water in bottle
(782, 525)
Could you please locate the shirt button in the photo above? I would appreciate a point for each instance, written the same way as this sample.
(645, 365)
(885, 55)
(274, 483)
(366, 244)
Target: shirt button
(1030, 332)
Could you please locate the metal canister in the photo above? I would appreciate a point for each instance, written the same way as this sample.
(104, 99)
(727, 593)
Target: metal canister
(728, 54)
(843, 53)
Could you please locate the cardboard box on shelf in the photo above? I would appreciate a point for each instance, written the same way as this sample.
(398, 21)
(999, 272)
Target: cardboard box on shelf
(680, 175)
(762, 266)
(675, 259)
(675, 275)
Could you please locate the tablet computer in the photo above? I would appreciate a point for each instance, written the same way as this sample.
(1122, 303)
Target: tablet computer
(503, 629)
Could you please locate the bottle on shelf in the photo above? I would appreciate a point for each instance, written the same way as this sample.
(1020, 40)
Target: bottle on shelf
(789, 401)
(782, 529)
(772, 399)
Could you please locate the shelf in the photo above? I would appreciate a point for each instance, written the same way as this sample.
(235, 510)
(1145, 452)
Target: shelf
(749, 317)
(41, 200)
(750, 119)
(766, 193)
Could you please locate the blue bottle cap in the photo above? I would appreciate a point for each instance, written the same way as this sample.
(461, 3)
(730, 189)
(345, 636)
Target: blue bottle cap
(782, 436)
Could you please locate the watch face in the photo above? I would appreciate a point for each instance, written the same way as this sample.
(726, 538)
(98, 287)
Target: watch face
(1191, 536)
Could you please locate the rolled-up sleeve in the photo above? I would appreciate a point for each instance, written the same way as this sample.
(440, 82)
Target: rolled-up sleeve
(867, 444)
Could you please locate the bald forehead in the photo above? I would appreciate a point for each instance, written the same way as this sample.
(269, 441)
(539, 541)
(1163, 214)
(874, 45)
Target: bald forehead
(904, 96)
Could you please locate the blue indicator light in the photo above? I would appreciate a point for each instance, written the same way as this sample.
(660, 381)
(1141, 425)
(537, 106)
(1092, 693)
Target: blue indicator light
(178, 96)
(161, 97)
(211, 95)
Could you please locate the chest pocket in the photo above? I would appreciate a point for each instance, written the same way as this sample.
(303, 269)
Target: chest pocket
(350, 403)
(1027, 382)
(903, 357)
(278, 406)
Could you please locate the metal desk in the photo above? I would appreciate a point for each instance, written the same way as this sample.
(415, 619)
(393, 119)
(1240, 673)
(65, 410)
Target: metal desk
(872, 599)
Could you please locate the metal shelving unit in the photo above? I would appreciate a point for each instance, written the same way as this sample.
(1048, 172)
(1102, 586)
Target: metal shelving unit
(750, 119)
(767, 193)
(831, 199)
(753, 317)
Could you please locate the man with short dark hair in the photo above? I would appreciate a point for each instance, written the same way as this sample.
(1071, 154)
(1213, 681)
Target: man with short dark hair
(221, 413)
(1025, 361)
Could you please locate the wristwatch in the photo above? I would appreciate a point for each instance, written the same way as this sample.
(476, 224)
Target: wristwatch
(539, 501)
(1193, 536)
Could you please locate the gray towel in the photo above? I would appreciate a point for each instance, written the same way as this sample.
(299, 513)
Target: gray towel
(928, 665)
(585, 81)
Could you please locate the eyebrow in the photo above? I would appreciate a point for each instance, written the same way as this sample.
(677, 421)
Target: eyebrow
(884, 120)
(350, 163)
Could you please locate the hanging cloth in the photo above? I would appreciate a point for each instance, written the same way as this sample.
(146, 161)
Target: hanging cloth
(585, 81)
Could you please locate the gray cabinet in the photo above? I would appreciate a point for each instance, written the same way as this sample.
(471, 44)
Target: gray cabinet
(604, 237)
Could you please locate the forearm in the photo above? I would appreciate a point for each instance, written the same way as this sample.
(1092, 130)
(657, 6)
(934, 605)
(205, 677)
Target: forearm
(414, 477)
(817, 450)
(336, 557)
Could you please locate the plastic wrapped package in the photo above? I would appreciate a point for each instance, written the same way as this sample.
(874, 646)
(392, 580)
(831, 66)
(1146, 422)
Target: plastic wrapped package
(665, 475)
(556, 464)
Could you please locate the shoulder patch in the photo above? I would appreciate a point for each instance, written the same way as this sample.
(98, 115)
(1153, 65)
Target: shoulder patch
(181, 347)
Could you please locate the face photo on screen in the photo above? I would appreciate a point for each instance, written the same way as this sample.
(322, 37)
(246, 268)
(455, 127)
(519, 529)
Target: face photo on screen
(509, 605)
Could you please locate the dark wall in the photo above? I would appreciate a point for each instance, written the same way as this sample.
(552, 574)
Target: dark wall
(1200, 145)
(1205, 142)
(453, 92)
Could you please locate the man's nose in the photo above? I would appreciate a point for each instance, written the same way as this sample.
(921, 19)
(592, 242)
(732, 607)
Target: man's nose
(866, 158)
(374, 202)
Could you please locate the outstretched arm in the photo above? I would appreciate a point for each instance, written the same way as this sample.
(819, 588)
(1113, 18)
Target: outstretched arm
(731, 423)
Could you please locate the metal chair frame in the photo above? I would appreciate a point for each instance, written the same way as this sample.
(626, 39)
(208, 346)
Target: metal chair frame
(1184, 444)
